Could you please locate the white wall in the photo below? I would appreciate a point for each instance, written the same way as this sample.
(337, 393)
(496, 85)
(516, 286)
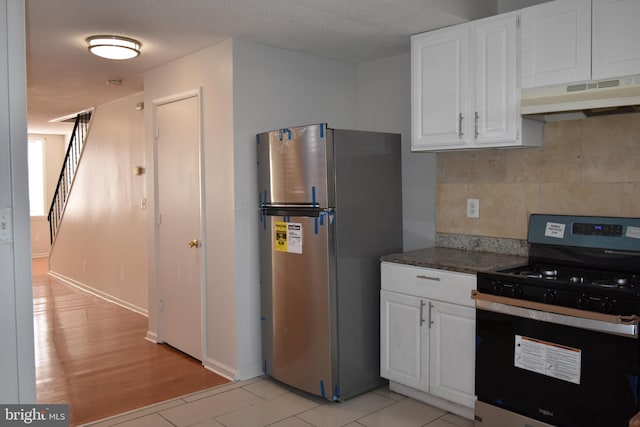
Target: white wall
(273, 88)
(247, 88)
(210, 69)
(101, 244)
(17, 364)
(384, 104)
(250, 88)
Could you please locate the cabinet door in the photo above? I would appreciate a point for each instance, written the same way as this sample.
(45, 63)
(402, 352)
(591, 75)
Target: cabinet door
(616, 51)
(452, 352)
(439, 88)
(556, 43)
(403, 340)
(496, 100)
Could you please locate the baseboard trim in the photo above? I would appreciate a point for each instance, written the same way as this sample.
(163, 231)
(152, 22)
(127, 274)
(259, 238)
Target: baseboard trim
(250, 372)
(100, 294)
(152, 337)
(220, 369)
(40, 255)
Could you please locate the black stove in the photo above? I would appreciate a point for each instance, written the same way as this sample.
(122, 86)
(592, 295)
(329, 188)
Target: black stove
(544, 364)
(588, 263)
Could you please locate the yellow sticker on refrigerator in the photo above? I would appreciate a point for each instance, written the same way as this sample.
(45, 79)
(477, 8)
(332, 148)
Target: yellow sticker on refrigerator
(288, 237)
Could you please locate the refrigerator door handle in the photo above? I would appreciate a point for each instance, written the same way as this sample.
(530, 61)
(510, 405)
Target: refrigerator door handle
(307, 211)
(291, 211)
(309, 205)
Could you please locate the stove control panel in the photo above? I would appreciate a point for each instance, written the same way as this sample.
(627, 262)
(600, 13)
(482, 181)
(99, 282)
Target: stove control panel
(609, 233)
(611, 230)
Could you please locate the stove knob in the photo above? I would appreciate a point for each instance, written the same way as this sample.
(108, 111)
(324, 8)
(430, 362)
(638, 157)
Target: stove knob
(607, 305)
(498, 289)
(549, 296)
(583, 301)
(622, 282)
(516, 291)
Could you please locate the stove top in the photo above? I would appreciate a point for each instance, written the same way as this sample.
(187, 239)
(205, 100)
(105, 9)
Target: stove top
(578, 277)
(589, 263)
(591, 290)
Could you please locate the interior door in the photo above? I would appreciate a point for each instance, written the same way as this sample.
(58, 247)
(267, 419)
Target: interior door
(179, 230)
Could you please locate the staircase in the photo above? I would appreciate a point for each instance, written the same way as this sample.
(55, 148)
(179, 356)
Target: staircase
(68, 171)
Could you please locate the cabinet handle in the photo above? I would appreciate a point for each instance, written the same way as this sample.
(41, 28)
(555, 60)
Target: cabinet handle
(421, 312)
(460, 133)
(422, 276)
(477, 117)
(430, 321)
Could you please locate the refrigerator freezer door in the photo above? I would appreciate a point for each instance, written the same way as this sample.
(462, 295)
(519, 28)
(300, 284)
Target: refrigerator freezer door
(297, 312)
(293, 165)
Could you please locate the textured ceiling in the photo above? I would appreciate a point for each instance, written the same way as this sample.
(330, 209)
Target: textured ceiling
(63, 78)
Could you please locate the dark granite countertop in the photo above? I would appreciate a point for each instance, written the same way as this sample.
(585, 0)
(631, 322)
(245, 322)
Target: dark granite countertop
(458, 260)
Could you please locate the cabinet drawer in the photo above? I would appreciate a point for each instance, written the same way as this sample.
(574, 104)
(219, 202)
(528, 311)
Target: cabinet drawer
(431, 283)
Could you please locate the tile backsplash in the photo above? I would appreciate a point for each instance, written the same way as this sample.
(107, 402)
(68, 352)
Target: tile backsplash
(585, 167)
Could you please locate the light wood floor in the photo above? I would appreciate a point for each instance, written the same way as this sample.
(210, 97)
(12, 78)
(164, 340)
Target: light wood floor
(93, 355)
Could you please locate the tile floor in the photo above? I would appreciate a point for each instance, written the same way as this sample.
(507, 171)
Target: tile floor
(262, 402)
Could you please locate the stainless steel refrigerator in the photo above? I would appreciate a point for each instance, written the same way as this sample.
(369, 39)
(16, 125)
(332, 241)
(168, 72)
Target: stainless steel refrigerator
(330, 205)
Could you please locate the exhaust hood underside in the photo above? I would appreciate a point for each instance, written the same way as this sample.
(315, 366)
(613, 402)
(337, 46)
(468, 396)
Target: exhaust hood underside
(582, 100)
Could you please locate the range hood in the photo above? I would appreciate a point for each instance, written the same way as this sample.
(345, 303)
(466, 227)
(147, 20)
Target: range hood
(582, 99)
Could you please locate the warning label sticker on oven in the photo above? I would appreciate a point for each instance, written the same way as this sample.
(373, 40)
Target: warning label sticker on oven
(288, 237)
(554, 229)
(633, 232)
(553, 360)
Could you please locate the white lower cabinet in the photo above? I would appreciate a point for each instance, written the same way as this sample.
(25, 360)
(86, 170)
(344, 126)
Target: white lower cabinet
(404, 342)
(451, 353)
(427, 344)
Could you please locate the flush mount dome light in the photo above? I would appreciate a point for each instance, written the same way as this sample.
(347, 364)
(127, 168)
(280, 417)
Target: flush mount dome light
(113, 47)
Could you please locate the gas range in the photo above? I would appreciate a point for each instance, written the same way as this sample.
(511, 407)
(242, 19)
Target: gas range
(552, 334)
(588, 263)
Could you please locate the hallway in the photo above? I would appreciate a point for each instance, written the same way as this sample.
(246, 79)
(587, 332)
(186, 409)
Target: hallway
(93, 354)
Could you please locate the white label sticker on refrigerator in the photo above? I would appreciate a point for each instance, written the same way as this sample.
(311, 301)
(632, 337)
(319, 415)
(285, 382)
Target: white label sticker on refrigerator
(553, 360)
(294, 237)
(633, 232)
(554, 229)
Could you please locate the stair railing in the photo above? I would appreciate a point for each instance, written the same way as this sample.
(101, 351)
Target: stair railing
(67, 172)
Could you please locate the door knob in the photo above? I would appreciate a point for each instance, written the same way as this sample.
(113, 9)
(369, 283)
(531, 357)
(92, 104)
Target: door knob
(193, 243)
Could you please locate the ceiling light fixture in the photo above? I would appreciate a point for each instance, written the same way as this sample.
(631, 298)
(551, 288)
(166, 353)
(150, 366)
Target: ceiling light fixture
(114, 47)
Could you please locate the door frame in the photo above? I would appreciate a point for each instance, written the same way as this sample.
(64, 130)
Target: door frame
(196, 93)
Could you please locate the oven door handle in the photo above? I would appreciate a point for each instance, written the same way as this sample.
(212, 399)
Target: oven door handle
(625, 329)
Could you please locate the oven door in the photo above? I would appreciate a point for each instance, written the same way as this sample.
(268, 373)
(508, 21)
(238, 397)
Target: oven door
(559, 370)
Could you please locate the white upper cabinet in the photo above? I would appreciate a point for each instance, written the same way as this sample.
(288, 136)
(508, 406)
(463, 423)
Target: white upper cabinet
(464, 89)
(495, 109)
(616, 45)
(568, 41)
(439, 92)
(556, 43)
